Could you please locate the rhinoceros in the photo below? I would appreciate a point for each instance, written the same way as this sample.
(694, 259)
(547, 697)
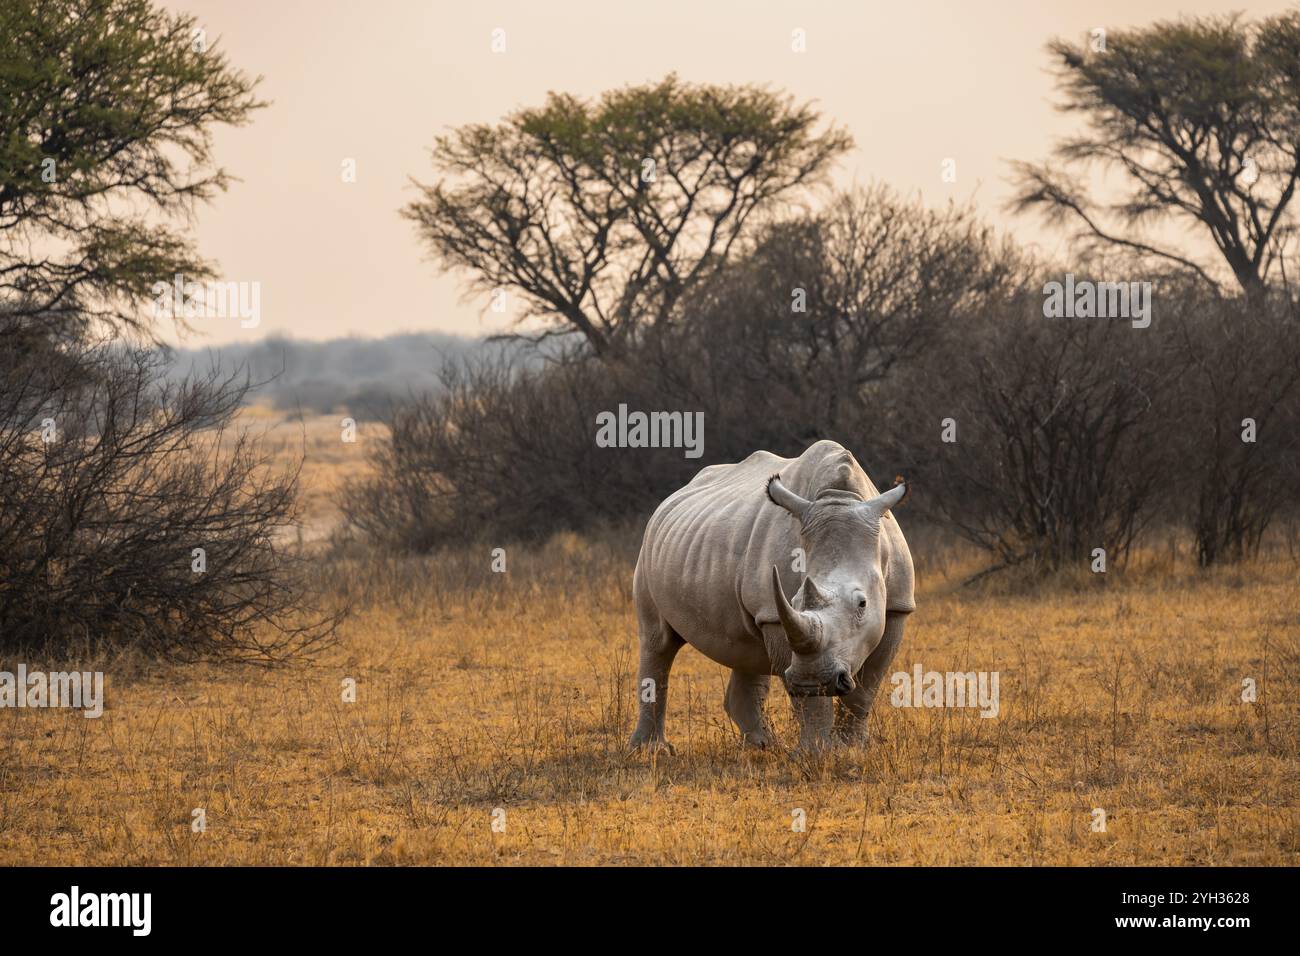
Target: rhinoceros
(719, 557)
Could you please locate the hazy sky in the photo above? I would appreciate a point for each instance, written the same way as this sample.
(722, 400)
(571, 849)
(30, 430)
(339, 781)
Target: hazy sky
(914, 82)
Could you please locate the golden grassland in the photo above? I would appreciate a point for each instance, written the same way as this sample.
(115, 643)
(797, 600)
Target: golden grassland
(485, 696)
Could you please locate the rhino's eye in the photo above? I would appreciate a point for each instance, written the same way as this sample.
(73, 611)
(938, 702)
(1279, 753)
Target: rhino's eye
(862, 604)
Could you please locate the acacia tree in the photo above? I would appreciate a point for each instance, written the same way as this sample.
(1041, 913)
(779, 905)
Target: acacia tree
(1201, 117)
(602, 214)
(115, 481)
(106, 112)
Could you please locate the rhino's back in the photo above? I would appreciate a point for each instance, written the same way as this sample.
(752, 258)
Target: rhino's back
(692, 557)
(707, 551)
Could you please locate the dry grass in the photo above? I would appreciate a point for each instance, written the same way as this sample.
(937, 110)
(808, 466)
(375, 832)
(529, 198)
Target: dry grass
(479, 691)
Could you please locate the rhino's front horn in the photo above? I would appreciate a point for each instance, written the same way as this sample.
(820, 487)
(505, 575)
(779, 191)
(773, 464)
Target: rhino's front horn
(800, 628)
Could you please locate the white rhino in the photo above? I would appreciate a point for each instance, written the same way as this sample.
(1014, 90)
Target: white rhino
(718, 558)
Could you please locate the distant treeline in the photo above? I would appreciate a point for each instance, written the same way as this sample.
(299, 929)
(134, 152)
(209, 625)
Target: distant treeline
(360, 376)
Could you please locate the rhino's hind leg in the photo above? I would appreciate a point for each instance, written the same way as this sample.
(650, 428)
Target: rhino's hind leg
(746, 694)
(855, 706)
(659, 645)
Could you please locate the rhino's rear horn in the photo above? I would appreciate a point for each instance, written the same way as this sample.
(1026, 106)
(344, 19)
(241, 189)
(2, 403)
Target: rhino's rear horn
(800, 628)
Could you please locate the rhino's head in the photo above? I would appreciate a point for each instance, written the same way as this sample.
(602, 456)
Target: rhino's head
(837, 617)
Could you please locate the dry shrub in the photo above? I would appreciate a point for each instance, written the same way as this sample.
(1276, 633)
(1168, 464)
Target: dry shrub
(110, 477)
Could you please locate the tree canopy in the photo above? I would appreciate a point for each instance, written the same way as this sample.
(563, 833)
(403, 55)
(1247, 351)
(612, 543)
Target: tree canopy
(106, 112)
(602, 214)
(1201, 117)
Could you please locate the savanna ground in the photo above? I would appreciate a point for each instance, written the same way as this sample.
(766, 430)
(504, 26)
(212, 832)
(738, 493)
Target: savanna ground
(485, 696)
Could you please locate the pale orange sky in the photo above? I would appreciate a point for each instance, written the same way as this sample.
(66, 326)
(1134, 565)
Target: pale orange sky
(914, 83)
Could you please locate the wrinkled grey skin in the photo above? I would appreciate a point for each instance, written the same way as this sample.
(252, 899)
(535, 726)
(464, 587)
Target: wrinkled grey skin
(716, 570)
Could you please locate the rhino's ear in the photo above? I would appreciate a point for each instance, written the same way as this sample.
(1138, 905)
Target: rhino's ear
(896, 560)
(878, 505)
(786, 498)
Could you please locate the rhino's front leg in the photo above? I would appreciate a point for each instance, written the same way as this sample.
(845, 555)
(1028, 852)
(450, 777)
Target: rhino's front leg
(855, 706)
(816, 715)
